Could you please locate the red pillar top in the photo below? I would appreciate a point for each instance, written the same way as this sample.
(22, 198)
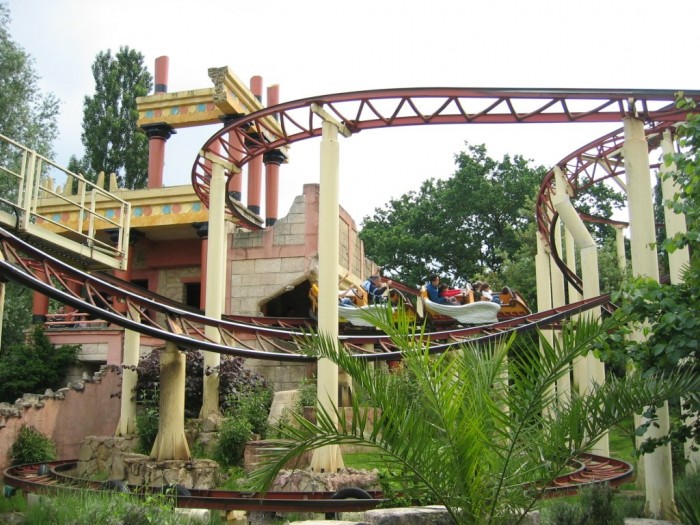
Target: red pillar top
(161, 80)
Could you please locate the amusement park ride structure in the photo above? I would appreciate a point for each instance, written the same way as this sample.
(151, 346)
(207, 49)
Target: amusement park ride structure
(65, 266)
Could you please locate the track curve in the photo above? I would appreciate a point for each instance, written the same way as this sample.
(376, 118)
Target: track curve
(168, 320)
(276, 127)
(37, 478)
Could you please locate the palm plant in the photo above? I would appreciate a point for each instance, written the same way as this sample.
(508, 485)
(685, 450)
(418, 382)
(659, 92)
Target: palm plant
(479, 427)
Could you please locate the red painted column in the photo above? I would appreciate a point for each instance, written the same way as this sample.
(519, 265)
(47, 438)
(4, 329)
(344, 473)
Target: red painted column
(40, 308)
(255, 165)
(272, 160)
(158, 134)
(161, 80)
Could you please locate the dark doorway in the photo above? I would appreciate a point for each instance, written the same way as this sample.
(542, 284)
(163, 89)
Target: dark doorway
(192, 294)
(294, 303)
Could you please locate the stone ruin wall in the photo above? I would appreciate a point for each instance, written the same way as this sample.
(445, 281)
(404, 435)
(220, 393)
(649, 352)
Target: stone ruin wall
(265, 263)
(86, 407)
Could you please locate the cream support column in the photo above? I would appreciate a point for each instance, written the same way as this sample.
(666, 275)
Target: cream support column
(574, 294)
(580, 364)
(132, 344)
(591, 285)
(328, 458)
(620, 247)
(171, 442)
(559, 299)
(544, 283)
(216, 251)
(675, 223)
(657, 465)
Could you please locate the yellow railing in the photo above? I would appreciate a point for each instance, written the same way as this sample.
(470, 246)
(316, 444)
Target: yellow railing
(37, 198)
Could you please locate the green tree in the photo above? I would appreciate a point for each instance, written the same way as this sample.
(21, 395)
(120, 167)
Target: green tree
(113, 143)
(474, 429)
(34, 366)
(28, 117)
(458, 227)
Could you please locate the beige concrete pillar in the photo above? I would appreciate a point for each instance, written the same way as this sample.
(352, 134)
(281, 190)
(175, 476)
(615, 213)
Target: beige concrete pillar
(657, 466)
(171, 442)
(130, 360)
(675, 223)
(544, 287)
(329, 458)
(215, 282)
(559, 299)
(620, 249)
(591, 285)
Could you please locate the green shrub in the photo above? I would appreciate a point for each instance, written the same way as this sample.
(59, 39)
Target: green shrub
(307, 394)
(233, 380)
(31, 446)
(254, 405)
(687, 500)
(234, 434)
(147, 421)
(34, 366)
(107, 508)
(594, 505)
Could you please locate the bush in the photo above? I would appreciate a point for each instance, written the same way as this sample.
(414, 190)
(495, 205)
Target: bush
(595, 505)
(233, 436)
(34, 366)
(307, 395)
(687, 501)
(31, 446)
(254, 406)
(234, 379)
(147, 426)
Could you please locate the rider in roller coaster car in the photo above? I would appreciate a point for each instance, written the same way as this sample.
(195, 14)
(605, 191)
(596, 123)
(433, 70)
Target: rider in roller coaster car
(374, 291)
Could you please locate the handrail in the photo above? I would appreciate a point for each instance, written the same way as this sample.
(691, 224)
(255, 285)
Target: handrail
(86, 223)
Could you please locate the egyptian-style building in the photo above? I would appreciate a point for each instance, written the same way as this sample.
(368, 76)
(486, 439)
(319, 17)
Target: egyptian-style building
(269, 271)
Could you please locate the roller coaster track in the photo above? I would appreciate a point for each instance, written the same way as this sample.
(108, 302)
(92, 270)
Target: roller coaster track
(159, 317)
(57, 476)
(248, 137)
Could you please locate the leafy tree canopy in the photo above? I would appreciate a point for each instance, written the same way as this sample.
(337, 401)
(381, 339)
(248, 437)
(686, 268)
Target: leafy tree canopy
(34, 366)
(458, 227)
(27, 115)
(113, 143)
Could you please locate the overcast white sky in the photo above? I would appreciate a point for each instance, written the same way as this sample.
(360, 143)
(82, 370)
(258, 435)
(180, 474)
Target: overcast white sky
(315, 47)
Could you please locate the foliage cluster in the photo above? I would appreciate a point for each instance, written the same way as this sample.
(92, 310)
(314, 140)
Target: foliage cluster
(484, 425)
(113, 142)
(97, 507)
(687, 500)
(595, 505)
(235, 381)
(34, 366)
(244, 398)
(31, 446)
(27, 116)
(476, 225)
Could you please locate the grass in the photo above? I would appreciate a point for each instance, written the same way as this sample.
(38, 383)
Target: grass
(106, 507)
(622, 441)
(13, 503)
